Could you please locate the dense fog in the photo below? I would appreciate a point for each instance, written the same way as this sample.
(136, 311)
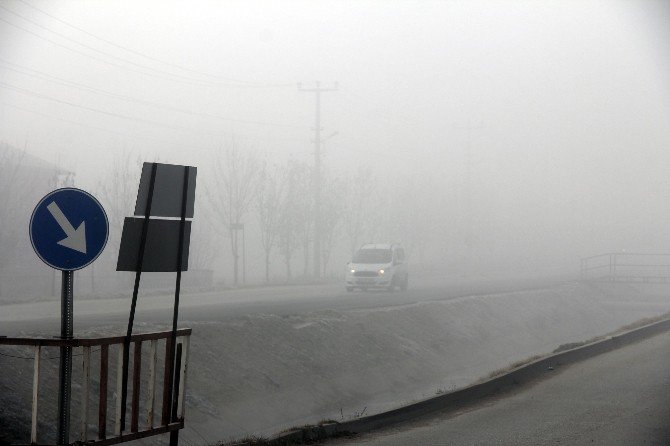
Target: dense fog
(489, 138)
(495, 144)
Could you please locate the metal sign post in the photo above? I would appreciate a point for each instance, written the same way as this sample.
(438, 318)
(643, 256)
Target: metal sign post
(68, 231)
(133, 303)
(65, 372)
(174, 380)
(159, 244)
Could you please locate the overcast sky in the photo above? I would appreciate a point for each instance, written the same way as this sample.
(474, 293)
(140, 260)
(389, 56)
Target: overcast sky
(565, 105)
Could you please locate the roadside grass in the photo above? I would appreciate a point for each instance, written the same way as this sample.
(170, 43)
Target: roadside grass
(305, 435)
(251, 440)
(572, 345)
(308, 426)
(625, 328)
(509, 368)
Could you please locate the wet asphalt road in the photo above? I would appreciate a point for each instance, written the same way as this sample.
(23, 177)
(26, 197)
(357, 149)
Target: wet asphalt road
(44, 317)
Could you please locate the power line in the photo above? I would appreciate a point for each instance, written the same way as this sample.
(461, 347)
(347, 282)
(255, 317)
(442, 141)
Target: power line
(97, 128)
(96, 110)
(79, 86)
(109, 42)
(381, 112)
(159, 74)
(104, 53)
(85, 54)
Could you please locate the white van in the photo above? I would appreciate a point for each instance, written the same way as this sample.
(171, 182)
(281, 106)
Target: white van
(376, 266)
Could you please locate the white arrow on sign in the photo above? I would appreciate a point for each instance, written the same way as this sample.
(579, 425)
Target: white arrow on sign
(76, 238)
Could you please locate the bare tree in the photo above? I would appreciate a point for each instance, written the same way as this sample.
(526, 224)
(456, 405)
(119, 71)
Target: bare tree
(303, 177)
(118, 191)
(202, 250)
(411, 213)
(18, 188)
(357, 212)
(292, 223)
(331, 214)
(269, 199)
(10, 164)
(230, 195)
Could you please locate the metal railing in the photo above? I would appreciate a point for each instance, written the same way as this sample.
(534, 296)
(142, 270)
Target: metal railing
(626, 267)
(93, 430)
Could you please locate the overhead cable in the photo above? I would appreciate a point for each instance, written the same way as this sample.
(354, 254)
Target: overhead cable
(152, 71)
(58, 80)
(104, 112)
(147, 56)
(93, 127)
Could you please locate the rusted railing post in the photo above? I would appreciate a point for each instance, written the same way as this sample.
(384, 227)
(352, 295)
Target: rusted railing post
(152, 383)
(86, 384)
(167, 374)
(184, 369)
(119, 418)
(172, 419)
(102, 399)
(137, 370)
(36, 386)
(174, 435)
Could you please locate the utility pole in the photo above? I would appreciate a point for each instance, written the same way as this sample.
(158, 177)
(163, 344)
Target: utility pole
(317, 171)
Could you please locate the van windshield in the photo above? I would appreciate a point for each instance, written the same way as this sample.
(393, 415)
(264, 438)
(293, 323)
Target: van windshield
(373, 256)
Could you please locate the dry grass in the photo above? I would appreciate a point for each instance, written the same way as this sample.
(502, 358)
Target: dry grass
(509, 368)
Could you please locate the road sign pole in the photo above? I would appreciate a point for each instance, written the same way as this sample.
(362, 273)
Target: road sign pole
(68, 231)
(65, 375)
(133, 303)
(174, 435)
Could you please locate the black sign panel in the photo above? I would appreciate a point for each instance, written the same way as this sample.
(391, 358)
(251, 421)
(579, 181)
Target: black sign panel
(162, 245)
(168, 190)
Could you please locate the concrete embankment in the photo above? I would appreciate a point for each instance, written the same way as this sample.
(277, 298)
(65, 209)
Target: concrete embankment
(263, 373)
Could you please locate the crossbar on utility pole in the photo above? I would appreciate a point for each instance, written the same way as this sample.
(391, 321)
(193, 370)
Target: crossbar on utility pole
(317, 171)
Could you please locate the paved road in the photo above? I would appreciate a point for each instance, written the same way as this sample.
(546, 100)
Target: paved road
(226, 304)
(619, 398)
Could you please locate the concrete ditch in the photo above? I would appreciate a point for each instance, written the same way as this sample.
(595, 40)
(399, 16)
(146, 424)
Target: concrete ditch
(258, 374)
(471, 395)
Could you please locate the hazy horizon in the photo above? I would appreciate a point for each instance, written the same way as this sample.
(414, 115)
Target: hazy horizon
(541, 127)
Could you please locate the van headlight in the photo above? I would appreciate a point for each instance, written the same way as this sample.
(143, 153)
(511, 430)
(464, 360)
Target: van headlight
(352, 271)
(381, 272)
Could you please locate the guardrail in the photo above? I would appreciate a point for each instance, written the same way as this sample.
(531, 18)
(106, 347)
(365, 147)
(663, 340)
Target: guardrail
(626, 267)
(172, 412)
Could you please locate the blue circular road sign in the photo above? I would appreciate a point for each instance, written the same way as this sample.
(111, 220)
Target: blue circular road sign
(68, 229)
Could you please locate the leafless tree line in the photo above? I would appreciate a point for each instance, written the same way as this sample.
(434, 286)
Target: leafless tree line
(356, 207)
(243, 195)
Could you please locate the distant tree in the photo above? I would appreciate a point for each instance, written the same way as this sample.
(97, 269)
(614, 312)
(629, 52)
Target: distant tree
(231, 193)
(118, 192)
(412, 213)
(11, 161)
(268, 203)
(332, 208)
(292, 222)
(17, 189)
(357, 206)
(305, 205)
(202, 250)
